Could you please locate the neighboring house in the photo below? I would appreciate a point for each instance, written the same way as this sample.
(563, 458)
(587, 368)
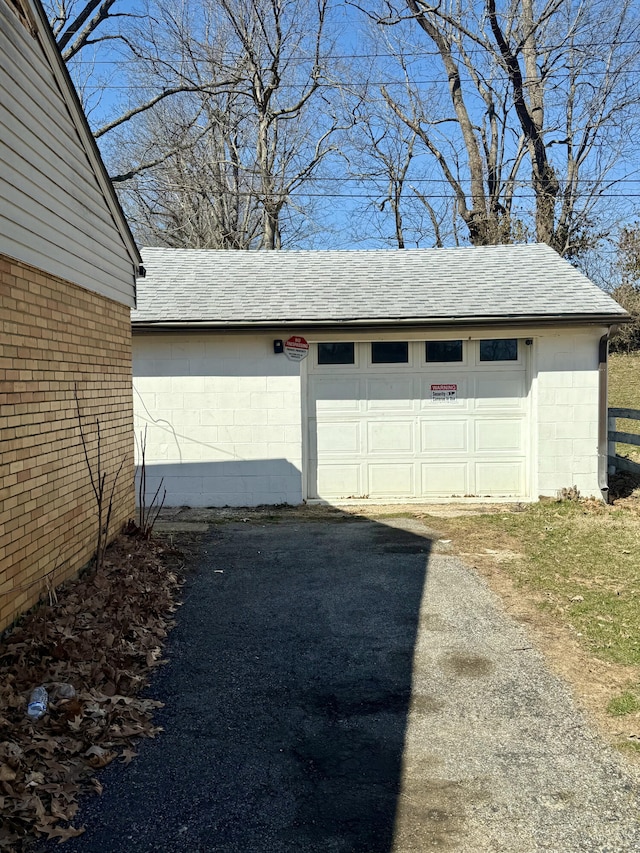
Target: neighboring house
(431, 374)
(68, 266)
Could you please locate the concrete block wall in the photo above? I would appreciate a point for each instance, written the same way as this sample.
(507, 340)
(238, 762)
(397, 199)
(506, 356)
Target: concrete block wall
(54, 334)
(224, 415)
(223, 418)
(567, 411)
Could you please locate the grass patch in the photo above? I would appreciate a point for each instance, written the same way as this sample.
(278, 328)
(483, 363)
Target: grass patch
(627, 703)
(579, 561)
(624, 392)
(631, 745)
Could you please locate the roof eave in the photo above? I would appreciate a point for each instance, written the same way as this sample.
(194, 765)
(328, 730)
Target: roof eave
(372, 323)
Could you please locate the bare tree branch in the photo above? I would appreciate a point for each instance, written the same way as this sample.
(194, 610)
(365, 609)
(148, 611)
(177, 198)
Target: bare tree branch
(73, 38)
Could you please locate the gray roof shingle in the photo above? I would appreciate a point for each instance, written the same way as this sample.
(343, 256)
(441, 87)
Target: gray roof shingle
(234, 288)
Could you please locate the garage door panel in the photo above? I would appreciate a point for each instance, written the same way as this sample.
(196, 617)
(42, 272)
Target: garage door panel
(502, 436)
(336, 394)
(417, 430)
(392, 393)
(433, 400)
(500, 391)
(339, 481)
(391, 480)
(389, 436)
(444, 436)
(338, 437)
(494, 478)
(444, 479)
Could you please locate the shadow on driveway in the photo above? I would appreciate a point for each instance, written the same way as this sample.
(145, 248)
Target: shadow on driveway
(287, 696)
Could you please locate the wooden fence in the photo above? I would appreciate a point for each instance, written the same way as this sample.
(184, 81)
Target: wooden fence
(619, 463)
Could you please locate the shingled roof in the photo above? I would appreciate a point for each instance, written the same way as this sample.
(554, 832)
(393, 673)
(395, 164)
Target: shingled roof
(495, 284)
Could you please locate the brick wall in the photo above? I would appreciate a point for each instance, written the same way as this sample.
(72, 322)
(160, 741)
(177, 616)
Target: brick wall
(53, 335)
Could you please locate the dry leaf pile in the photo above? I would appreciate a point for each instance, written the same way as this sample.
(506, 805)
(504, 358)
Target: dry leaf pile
(93, 648)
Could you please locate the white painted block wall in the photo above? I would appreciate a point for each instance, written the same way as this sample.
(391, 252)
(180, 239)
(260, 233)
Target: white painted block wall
(565, 407)
(223, 419)
(224, 415)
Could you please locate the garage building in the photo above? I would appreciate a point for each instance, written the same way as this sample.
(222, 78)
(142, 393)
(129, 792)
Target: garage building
(437, 374)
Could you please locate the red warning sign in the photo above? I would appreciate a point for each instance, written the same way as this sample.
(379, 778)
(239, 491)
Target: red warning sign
(296, 348)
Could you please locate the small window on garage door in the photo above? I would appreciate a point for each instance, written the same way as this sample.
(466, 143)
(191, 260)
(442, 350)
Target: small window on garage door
(336, 353)
(499, 349)
(443, 351)
(390, 352)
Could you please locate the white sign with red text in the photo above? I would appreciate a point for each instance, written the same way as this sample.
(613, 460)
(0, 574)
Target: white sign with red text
(444, 393)
(296, 348)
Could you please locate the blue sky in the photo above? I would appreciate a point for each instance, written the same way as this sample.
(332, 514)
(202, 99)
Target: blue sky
(343, 219)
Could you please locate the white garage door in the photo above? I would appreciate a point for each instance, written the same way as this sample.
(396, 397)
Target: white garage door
(418, 420)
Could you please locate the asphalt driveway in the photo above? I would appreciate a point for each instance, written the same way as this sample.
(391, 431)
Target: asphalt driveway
(338, 686)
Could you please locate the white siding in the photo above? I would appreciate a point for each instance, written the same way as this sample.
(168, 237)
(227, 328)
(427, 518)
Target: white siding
(223, 419)
(53, 213)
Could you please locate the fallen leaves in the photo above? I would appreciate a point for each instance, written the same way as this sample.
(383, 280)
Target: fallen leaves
(7, 773)
(127, 756)
(93, 650)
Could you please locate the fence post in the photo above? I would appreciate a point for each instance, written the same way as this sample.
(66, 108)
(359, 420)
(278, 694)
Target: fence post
(611, 447)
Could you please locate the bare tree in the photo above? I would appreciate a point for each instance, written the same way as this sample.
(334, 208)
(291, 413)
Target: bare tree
(401, 210)
(194, 190)
(624, 285)
(228, 121)
(75, 24)
(569, 72)
(462, 128)
(100, 39)
(540, 103)
(282, 46)
(394, 157)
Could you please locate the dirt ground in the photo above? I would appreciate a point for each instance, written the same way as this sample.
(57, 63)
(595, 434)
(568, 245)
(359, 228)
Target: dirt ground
(593, 682)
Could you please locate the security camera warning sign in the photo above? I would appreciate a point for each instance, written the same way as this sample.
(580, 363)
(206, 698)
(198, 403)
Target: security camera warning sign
(444, 393)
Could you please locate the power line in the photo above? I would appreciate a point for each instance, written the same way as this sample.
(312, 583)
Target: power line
(417, 54)
(368, 196)
(585, 79)
(384, 179)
